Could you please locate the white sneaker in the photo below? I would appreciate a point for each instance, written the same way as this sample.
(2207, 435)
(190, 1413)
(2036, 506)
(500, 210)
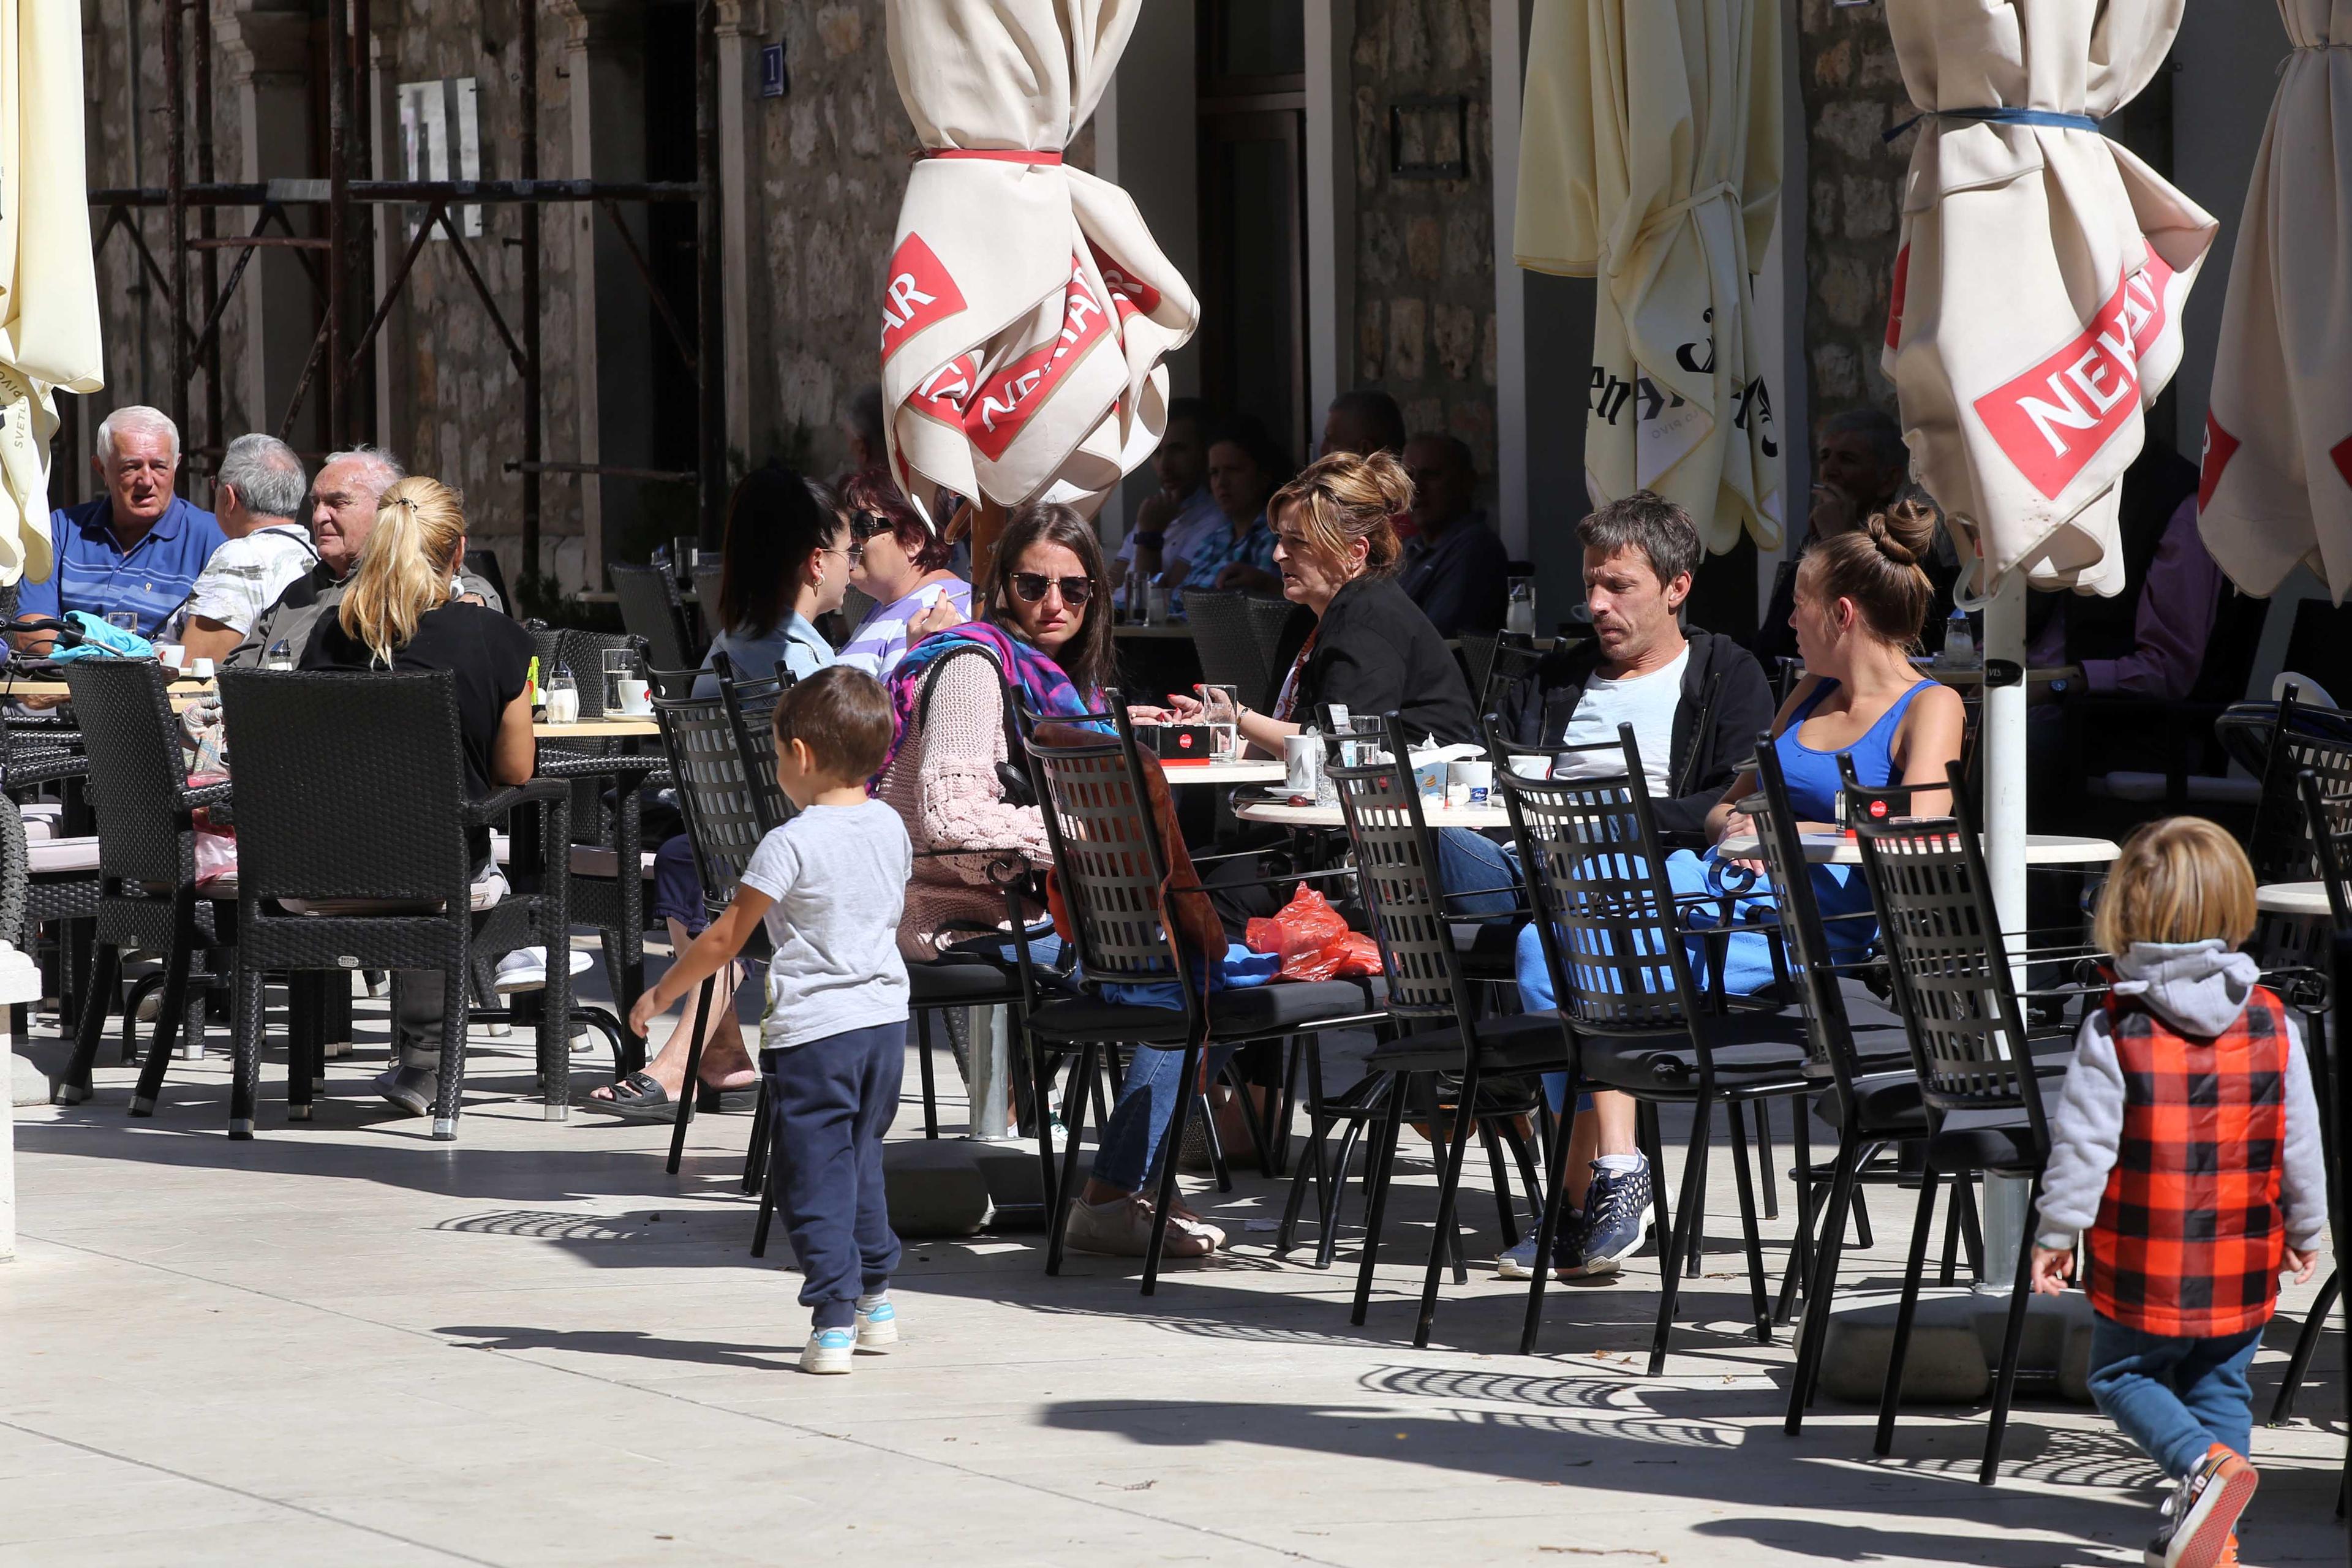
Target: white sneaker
(829, 1351)
(1519, 1263)
(525, 969)
(877, 1325)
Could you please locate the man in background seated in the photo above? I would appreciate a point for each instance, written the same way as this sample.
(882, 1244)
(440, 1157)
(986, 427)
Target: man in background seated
(343, 500)
(257, 493)
(1364, 422)
(138, 548)
(1455, 568)
(1861, 465)
(1173, 520)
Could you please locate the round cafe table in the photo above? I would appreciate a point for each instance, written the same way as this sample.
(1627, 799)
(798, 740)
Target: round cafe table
(1840, 849)
(2296, 900)
(619, 726)
(1260, 771)
(1282, 814)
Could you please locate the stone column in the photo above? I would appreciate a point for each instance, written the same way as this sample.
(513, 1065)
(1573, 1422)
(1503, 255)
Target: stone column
(379, 101)
(267, 69)
(739, 44)
(19, 981)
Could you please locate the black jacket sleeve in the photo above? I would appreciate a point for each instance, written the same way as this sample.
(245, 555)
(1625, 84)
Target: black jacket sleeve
(1743, 708)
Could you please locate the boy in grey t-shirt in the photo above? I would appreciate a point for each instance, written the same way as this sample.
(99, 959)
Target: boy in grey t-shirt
(830, 884)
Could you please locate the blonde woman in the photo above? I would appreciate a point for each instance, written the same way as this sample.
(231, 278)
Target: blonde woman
(397, 614)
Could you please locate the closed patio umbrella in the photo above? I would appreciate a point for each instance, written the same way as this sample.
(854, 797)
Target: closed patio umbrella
(2041, 271)
(1650, 160)
(48, 287)
(1026, 309)
(2277, 488)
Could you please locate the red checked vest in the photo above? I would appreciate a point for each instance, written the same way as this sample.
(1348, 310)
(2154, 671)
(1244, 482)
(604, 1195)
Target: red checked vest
(2189, 1236)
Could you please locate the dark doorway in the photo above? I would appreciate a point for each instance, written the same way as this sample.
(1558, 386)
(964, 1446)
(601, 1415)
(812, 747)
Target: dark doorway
(671, 395)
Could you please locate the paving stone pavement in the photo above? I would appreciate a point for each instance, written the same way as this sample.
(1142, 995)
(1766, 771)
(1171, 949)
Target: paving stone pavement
(342, 1344)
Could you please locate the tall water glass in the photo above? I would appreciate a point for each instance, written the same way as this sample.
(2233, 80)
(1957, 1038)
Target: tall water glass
(1221, 711)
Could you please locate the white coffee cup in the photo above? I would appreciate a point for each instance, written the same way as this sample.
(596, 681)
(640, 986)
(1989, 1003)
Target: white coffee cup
(1531, 767)
(171, 654)
(1469, 783)
(636, 697)
(204, 671)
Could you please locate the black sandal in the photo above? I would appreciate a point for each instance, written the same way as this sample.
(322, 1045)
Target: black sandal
(640, 1096)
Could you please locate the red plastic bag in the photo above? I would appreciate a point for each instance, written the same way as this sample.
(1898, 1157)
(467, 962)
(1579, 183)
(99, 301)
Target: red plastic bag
(1313, 940)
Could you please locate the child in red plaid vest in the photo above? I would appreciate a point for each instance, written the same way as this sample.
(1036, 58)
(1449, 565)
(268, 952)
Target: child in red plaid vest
(2186, 1143)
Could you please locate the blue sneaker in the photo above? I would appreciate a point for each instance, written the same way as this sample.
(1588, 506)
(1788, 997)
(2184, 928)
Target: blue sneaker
(1614, 1205)
(877, 1325)
(828, 1351)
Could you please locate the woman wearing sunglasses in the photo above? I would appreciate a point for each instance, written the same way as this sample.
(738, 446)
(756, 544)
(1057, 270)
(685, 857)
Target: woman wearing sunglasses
(899, 562)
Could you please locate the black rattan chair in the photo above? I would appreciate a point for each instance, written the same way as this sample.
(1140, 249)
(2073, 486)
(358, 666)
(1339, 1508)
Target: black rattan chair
(1396, 860)
(1224, 635)
(1613, 934)
(351, 791)
(148, 900)
(1118, 877)
(651, 609)
(1969, 1046)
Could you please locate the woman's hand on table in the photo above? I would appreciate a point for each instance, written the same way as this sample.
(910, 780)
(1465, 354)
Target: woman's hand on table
(1180, 710)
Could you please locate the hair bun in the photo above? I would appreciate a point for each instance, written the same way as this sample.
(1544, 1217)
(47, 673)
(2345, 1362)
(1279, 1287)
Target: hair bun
(1388, 476)
(1904, 532)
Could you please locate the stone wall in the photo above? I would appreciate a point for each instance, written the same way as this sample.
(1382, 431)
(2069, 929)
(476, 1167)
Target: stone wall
(1854, 93)
(1424, 247)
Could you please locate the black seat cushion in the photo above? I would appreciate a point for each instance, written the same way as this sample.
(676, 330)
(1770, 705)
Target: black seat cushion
(1985, 1140)
(1252, 1012)
(1521, 1043)
(1748, 1048)
(1489, 949)
(954, 980)
(1889, 1103)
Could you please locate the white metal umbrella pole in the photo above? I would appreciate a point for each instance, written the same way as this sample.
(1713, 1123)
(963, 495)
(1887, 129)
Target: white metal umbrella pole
(2004, 738)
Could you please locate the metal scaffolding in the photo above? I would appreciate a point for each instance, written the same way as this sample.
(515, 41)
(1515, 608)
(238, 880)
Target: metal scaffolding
(351, 309)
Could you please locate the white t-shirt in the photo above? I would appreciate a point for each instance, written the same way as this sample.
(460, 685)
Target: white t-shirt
(838, 877)
(1645, 701)
(246, 575)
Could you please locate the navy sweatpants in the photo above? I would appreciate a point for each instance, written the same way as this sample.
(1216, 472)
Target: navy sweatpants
(833, 1099)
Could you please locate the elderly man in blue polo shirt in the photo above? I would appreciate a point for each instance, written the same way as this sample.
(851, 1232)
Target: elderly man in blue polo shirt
(138, 547)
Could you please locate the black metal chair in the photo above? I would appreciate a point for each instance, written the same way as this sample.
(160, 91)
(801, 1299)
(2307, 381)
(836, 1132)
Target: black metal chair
(1969, 1045)
(1225, 636)
(651, 609)
(148, 899)
(1267, 619)
(728, 808)
(1396, 866)
(1613, 934)
(1514, 658)
(321, 750)
(2331, 842)
(1123, 884)
(1866, 1071)
(62, 855)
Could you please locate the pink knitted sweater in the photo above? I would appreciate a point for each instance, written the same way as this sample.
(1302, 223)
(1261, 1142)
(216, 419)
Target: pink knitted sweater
(943, 785)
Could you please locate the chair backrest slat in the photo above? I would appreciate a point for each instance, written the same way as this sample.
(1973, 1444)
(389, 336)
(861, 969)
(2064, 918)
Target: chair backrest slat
(725, 814)
(133, 744)
(349, 783)
(2305, 739)
(651, 609)
(1396, 866)
(1107, 857)
(1225, 637)
(1927, 881)
(1829, 1032)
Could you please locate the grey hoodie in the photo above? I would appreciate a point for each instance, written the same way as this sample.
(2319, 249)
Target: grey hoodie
(2198, 988)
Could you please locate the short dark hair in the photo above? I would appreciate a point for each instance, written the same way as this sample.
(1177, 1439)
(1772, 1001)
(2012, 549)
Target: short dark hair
(1192, 410)
(1877, 427)
(1649, 523)
(873, 495)
(1249, 433)
(1377, 410)
(1457, 451)
(843, 716)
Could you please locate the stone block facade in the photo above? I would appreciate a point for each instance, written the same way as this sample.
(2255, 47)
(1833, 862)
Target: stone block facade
(1853, 94)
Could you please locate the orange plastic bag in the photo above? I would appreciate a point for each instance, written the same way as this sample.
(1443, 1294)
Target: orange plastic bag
(1313, 940)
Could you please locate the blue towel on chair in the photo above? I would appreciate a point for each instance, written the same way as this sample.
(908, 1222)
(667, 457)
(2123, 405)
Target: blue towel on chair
(100, 640)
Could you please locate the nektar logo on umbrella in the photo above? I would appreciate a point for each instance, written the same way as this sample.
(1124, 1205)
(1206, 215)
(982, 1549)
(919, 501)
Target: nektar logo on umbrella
(1008, 399)
(2054, 418)
(920, 293)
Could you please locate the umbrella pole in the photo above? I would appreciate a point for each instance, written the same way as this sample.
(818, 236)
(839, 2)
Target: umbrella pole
(988, 520)
(2005, 1218)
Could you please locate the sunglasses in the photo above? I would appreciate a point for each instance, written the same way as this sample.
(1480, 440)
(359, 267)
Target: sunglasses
(1032, 585)
(865, 525)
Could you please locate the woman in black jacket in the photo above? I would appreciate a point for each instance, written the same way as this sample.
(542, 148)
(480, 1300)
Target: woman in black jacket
(1354, 639)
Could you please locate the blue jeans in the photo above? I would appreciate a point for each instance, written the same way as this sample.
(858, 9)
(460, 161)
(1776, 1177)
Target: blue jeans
(1138, 1123)
(2175, 1397)
(1480, 876)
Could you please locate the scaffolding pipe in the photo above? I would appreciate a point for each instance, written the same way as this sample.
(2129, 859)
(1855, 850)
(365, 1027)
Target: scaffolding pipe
(338, 110)
(411, 193)
(527, 98)
(176, 191)
(209, 348)
(711, 456)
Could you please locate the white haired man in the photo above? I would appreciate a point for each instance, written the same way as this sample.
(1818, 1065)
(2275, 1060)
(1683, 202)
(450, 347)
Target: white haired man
(138, 547)
(257, 493)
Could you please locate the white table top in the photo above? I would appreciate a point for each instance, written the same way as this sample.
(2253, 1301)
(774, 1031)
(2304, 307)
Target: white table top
(1282, 814)
(598, 729)
(1245, 772)
(2306, 900)
(2041, 849)
(1973, 674)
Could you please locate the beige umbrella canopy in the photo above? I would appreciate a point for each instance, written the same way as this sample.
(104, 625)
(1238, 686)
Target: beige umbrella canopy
(1650, 159)
(2277, 488)
(2038, 289)
(1026, 310)
(49, 289)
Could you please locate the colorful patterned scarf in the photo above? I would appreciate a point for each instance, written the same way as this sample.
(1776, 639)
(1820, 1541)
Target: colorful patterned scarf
(1041, 684)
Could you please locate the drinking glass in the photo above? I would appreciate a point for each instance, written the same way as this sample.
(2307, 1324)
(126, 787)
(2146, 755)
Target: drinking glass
(1519, 614)
(562, 699)
(681, 559)
(123, 621)
(1221, 711)
(620, 663)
